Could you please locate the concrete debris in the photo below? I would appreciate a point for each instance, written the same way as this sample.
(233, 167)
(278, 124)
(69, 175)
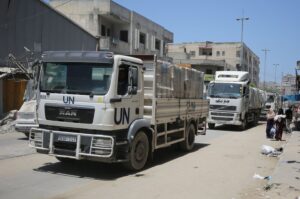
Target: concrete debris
(8, 122)
(12, 115)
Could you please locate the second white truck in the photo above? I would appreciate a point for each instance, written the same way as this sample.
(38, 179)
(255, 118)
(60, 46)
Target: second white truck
(232, 100)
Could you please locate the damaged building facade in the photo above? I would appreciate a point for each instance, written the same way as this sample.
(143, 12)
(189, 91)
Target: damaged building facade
(119, 29)
(83, 25)
(210, 57)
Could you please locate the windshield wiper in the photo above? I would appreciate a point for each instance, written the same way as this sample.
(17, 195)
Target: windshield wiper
(51, 90)
(232, 97)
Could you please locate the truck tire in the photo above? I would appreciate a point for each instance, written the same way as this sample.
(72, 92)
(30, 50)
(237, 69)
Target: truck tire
(244, 124)
(211, 125)
(189, 142)
(139, 152)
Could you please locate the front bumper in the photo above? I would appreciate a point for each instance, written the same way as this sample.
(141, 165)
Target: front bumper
(230, 118)
(25, 127)
(78, 146)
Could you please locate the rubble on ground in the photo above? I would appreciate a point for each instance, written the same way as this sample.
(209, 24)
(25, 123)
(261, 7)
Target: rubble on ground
(8, 122)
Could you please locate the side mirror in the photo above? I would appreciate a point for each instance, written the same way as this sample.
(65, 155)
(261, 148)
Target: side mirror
(133, 81)
(132, 90)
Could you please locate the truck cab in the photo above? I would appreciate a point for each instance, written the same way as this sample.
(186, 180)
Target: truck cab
(232, 100)
(229, 98)
(82, 94)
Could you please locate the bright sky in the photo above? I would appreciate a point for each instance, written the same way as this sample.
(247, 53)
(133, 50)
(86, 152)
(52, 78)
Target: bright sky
(273, 25)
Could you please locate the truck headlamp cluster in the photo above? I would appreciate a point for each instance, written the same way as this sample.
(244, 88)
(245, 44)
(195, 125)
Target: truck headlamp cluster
(36, 138)
(102, 142)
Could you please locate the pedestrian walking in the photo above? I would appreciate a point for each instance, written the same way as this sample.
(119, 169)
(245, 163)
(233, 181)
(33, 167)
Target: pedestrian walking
(270, 122)
(279, 121)
(288, 119)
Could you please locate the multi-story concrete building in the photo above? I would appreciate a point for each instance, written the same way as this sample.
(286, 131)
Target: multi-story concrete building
(77, 25)
(119, 29)
(288, 85)
(213, 56)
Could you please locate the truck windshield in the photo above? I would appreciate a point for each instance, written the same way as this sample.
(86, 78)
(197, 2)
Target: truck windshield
(76, 78)
(224, 90)
(270, 99)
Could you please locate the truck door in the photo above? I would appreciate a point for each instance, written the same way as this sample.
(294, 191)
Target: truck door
(127, 107)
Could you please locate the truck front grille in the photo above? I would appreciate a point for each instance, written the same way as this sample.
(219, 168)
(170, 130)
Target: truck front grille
(222, 107)
(222, 118)
(69, 114)
(222, 114)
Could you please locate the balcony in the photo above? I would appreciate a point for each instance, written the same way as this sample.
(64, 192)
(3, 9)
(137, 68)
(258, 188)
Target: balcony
(114, 45)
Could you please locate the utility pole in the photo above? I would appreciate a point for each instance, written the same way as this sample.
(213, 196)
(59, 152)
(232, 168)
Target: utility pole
(275, 71)
(242, 42)
(266, 52)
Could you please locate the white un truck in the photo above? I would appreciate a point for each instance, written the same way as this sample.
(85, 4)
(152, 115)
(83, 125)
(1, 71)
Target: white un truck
(232, 100)
(113, 108)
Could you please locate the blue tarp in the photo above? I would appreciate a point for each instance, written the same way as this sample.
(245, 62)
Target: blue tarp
(291, 98)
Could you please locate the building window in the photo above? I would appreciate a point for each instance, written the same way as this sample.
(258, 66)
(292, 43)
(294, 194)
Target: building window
(223, 53)
(238, 53)
(209, 71)
(124, 35)
(108, 32)
(142, 38)
(218, 53)
(192, 53)
(103, 30)
(205, 51)
(184, 49)
(157, 44)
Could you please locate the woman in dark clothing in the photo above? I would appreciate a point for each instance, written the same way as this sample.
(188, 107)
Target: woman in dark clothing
(270, 122)
(279, 121)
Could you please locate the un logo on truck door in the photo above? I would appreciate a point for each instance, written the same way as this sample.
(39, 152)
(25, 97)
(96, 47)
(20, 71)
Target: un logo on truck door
(122, 115)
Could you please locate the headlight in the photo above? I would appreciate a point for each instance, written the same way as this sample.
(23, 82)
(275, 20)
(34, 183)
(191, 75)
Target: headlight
(102, 142)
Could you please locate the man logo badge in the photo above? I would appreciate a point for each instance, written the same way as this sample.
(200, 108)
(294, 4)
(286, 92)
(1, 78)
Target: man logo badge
(70, 113)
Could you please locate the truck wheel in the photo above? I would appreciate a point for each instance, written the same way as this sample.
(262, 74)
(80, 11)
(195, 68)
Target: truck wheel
(189, 142)
(139, 152)
(244, 124)
(211, 125)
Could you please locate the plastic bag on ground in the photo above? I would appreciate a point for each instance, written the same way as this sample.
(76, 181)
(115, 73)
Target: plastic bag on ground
(257, 176)
(266, 150)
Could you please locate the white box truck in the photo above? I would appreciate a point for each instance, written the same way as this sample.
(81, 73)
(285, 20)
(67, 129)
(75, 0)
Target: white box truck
(272, 101)
(232, 100)
(114, 108)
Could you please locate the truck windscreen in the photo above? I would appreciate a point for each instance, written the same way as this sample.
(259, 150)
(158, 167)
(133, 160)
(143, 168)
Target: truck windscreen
(76, 78)
(224, 90)
(270, 98)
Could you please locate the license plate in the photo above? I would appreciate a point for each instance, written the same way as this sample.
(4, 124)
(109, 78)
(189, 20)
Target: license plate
(65, 138)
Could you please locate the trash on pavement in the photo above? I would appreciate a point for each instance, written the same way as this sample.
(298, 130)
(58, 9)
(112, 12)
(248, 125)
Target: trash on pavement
(257, 176)
(266, 150)
(270, 151)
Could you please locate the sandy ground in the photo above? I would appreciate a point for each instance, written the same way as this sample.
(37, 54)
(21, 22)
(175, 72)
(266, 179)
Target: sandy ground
(223, 169)
(220, 168)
